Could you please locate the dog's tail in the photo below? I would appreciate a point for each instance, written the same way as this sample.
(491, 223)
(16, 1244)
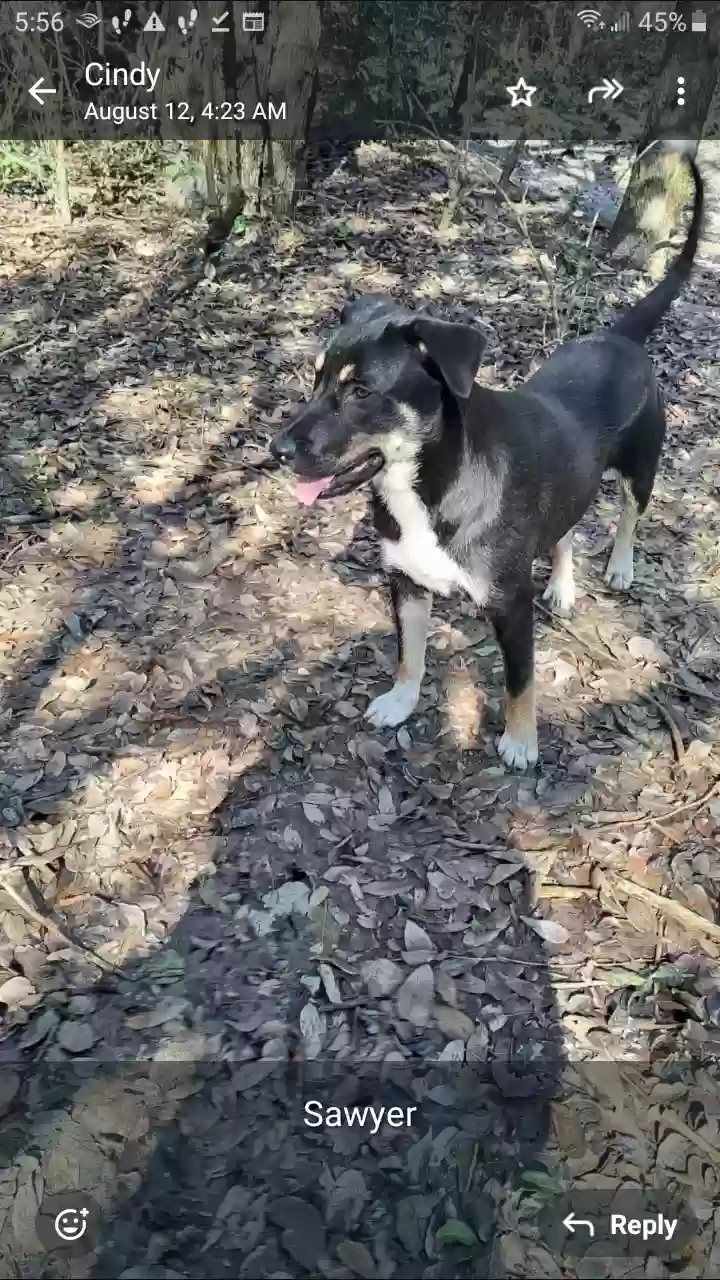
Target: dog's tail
(638, 323)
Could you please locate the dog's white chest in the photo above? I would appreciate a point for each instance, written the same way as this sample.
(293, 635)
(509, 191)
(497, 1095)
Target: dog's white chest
(424, 561)
(417, 552)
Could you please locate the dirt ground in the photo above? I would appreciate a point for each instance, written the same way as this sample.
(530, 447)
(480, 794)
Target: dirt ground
(224, 895)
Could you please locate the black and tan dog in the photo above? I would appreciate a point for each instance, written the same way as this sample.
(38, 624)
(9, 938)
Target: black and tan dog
(470, 485)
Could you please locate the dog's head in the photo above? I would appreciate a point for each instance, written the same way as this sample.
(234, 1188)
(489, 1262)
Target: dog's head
(377, 396)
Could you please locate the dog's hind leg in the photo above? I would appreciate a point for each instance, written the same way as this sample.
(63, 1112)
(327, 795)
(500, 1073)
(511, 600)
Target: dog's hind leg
(411, 607)
(560, 590)
(518, 746)
(620, 571)
(636, 462)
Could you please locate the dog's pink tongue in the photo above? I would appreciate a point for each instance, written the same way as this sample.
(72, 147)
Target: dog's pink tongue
(308, 491)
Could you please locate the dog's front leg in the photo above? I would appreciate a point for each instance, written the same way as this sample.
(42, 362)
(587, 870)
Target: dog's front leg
(513, 623)
(411, 607)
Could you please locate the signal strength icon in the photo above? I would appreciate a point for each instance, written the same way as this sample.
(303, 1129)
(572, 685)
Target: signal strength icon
(591, 18)
(622, 24)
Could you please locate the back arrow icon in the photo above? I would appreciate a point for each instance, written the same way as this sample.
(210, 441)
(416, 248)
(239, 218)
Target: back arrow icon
(608, 89)
(37, 92)
(571, 1222)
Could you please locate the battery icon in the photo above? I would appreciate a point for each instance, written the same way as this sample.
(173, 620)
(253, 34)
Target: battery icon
(698, 20)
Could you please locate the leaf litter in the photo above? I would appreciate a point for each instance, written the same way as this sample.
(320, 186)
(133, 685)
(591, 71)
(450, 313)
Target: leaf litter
(217, 877)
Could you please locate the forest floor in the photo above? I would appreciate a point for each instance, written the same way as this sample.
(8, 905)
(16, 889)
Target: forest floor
(224, 894)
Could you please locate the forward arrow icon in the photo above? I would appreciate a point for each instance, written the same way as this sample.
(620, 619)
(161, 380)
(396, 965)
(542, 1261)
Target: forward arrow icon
(608, 89)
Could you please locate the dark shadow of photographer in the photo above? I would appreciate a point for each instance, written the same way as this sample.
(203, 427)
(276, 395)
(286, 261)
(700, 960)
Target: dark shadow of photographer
(353, 940)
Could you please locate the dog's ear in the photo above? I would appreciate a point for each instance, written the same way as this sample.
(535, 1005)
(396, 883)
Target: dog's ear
(363, 306)
(455, 349)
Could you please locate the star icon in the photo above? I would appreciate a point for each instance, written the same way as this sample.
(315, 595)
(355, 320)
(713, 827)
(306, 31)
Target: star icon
(521, 93)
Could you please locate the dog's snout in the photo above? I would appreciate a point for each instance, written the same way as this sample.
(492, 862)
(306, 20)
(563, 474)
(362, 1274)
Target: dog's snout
(283, 447)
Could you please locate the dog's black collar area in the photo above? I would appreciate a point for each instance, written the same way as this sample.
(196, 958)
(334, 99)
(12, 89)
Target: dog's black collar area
(357, 472)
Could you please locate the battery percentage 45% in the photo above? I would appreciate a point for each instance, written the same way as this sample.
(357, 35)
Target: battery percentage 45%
(663, 20)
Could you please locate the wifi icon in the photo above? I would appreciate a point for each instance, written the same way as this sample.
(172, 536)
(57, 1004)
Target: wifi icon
(591, 18)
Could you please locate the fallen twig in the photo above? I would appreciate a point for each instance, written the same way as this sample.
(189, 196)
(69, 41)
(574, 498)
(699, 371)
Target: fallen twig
(547, 273)
(39, 517)
(683, 915)
(675, 734)
(657, 819)
(673, 1121)
(47, 922)
(357, 1003)
(566, 891)
(31, 860)
(561, 624)
(20, 346)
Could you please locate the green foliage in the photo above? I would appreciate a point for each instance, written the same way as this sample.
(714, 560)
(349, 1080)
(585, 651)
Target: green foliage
(25, 168)
(377, 54)
(343, 229)
(455, 1232)
(541, 1182)
(102, 174)
(623, 978)
(185, 179)
(183, 163)
(116, 173)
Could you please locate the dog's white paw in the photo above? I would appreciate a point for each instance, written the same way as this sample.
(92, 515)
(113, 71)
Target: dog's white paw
(560, 594)
(517, 753)
(391, 708)
(619, 573)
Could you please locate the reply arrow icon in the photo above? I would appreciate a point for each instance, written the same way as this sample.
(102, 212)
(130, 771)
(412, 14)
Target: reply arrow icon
(571, 1222)
(39, 93)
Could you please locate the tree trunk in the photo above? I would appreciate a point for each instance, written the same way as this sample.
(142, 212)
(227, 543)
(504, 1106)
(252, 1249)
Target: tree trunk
(208, 159)
(463, 106)
(61, 186)
(279, 65)
(659, 185)
(709, 161)
(478, 55)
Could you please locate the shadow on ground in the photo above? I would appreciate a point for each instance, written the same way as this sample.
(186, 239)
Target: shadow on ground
(358, 934)
(363, 962)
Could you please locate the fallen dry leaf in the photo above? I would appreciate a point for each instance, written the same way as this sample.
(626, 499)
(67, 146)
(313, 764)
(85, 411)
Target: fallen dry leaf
(549, 930)
(415, 996)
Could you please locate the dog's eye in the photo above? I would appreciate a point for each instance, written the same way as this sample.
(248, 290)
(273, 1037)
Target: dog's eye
(360, 393)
